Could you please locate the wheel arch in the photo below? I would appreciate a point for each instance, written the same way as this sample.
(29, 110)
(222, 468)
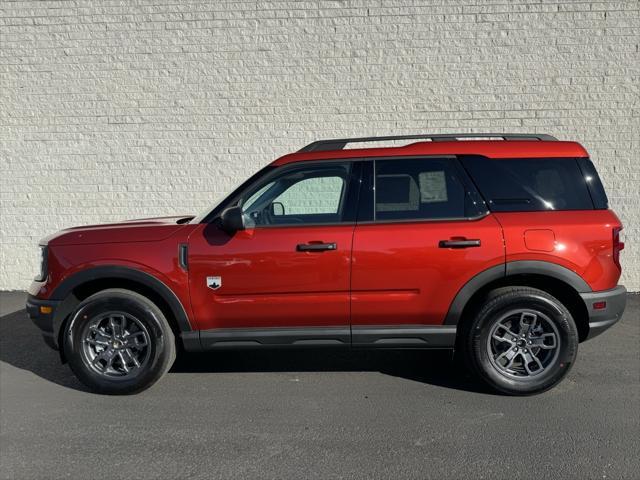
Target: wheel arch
(558, 281)
(81, 285)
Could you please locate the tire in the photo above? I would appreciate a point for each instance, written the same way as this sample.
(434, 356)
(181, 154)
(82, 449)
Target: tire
(118, 342)
(510, 363)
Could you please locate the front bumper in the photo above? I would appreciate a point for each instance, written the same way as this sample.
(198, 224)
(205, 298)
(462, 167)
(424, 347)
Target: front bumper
(602, 318)
(42, 313)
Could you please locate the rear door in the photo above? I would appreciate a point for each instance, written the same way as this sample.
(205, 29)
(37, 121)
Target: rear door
(422, 233)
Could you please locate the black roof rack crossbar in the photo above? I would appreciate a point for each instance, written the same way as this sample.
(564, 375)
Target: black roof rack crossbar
(340, 143)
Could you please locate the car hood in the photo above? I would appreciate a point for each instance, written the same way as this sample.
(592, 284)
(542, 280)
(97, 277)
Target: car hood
(140, 230)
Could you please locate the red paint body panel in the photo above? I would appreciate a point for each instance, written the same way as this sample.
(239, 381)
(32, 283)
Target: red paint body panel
(67, 256)
(400, 275)
(266, 282)
(491, 149)
(145, 230)
(583, 242)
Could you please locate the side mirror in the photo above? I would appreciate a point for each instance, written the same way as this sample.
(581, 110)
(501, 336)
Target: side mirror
(232, 220)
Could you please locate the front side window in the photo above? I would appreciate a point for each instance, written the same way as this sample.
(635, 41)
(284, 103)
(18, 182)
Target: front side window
(304, 195)
(422, 189)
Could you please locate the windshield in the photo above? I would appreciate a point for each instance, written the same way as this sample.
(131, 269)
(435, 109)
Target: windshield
(230, 194)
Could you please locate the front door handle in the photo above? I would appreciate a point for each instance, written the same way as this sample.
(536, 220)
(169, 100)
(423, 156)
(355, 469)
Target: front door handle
(462, 243)
(316, 247)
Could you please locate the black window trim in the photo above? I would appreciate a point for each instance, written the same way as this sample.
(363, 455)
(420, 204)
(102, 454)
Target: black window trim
(362, 169)
(355, 198)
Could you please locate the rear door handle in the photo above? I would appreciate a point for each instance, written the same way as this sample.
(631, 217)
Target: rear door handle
(316, 247)
(462, 243)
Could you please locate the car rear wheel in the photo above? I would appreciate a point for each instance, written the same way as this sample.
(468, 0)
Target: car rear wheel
(119, 342)
(523, 341)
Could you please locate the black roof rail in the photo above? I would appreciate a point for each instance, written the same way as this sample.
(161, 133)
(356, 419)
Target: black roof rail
(340, 143)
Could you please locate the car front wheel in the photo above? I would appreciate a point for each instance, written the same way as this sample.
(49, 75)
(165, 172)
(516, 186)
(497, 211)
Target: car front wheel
(119, 342)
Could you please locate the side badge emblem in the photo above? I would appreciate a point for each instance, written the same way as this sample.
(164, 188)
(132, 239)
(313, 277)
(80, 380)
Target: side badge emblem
(214, 283)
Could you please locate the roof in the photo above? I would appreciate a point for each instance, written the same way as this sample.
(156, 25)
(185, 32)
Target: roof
(487, 148)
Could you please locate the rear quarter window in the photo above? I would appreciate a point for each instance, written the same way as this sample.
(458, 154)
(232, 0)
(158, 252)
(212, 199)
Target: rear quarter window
(530, 184)
(598, 195)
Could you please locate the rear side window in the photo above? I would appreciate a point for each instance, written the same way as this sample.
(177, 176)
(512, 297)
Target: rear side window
(598, 195)
(423, 189)
(536, 184)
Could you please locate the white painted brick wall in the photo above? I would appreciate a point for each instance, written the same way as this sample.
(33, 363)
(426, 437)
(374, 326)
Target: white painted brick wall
(120, 109)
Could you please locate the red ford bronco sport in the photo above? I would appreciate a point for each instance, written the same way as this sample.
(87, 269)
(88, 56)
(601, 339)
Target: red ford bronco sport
(500, 246)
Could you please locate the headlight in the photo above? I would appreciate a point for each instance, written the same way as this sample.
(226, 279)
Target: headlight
(42, 275)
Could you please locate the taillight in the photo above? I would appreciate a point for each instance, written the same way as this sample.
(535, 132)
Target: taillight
(617, 246)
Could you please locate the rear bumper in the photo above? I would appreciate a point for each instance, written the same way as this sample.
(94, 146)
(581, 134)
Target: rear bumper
(601, 319)
(42, 313)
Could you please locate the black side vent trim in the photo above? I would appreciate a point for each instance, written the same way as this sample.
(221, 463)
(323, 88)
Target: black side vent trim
(183, 255)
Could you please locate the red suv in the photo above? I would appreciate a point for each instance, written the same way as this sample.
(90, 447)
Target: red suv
(500, 246)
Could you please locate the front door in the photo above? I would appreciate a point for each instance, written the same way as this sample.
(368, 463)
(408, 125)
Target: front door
(285, 279)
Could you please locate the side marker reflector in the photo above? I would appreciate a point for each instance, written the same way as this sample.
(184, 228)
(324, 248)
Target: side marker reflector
(599, 305)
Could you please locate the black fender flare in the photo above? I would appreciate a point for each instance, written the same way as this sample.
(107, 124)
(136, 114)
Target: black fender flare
(519, 267)
(63, 292)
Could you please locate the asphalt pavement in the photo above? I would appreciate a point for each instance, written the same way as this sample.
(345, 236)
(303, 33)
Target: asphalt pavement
(318, 414)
